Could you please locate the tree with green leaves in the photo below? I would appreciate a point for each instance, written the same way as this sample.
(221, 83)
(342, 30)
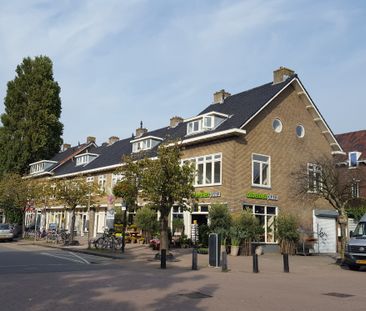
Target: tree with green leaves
(165, 182)
(147, 221)
(16, 195)
(75, 192)
(31, 128)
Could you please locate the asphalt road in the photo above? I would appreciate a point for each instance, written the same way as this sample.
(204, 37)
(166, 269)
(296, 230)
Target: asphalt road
(35, 278)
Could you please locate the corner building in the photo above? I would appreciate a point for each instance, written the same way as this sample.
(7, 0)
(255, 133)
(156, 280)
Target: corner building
(244, 146)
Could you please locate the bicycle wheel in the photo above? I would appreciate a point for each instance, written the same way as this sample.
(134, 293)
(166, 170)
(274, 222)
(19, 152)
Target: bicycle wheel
(99, 243)
(117, 243)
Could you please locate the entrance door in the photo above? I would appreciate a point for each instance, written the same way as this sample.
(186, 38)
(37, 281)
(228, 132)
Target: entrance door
(326, 232)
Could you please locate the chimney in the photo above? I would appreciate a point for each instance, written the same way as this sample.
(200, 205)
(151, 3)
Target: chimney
(90, 139)
(174, 121)
(281, 74)
(112, 140)
(65, 147)
(141, 130)
(220, 96)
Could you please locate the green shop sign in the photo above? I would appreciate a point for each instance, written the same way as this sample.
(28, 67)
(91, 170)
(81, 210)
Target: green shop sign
(202, 195)
(262, 196)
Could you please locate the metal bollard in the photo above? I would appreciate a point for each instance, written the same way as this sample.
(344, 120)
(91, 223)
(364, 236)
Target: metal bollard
(224, 262)
(255, 259)
(194, 259)
(255, 263)
(163, 259)
(286, 267)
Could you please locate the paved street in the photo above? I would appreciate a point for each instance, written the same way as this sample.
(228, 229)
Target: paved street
(38, 278)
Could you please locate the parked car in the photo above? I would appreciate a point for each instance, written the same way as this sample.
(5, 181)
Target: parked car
(16, 229)
(6, 232)
(355, 255)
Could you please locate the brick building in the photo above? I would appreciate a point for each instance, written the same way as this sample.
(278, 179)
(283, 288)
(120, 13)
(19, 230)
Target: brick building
(245, 147)
(354, 145)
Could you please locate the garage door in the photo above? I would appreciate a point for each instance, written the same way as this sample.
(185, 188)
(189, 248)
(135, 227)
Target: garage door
(325, 231)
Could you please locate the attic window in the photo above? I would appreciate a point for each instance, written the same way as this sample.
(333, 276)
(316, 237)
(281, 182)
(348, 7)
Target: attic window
(40, 166)
(145, 143)
(85, 158)
(353, 158)
(205, 122)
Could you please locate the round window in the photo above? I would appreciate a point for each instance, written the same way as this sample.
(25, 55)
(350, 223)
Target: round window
(277, 125)
(300, 131)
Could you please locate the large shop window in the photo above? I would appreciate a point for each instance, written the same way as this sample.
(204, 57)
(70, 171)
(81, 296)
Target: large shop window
(208, 169)
(314, 178)
(261, 170)
(267, 218)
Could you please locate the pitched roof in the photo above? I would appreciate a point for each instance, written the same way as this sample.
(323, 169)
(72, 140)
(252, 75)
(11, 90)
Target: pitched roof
(353, 141)
(240, 108)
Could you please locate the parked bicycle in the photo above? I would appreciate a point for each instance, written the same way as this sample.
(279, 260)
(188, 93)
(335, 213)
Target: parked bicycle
(63, 237)
(108, 240)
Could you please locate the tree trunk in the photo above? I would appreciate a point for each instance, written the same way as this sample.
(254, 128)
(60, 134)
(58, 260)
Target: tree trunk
(23, 224)
(164, 243)
(343, 221)
(91, 224)
(72, 225)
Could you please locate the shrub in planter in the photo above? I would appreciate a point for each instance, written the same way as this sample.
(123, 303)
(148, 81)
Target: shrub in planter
(220, 221)
(287, 233)
(250, 230)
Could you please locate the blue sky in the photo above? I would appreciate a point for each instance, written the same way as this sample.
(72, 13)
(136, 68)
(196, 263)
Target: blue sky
(119, 62)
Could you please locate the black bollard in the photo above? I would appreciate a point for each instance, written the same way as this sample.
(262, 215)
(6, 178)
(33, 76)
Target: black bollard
(255, 259)
(286, 267)
(194, 259)
(255, 263)
(224, 262)
(163, 259)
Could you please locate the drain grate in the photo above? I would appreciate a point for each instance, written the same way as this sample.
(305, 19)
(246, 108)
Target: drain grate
(195, 295)
(339, 295)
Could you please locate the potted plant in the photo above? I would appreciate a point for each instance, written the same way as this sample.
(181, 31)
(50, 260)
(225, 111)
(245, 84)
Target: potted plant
(235, 244)
(287, 233)
(236, 235)
(250, 230)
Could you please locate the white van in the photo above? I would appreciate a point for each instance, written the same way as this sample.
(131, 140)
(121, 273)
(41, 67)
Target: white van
(355, 255)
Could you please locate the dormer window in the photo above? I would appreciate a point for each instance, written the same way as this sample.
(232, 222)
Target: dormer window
(40, 166)
(85, 158)
(205, 122)
(145, 143)
(353, 158)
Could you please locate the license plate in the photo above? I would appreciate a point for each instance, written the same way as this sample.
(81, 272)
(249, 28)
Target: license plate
(361, 262)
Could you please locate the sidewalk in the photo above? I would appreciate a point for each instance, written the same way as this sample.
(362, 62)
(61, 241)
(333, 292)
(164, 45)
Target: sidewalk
(137, 253)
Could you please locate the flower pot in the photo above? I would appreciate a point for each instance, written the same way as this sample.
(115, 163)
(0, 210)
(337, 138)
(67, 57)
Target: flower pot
(234, 250)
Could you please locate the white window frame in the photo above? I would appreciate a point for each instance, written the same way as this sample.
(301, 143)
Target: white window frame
(313, 169)
(85, 158)
(102, 180)
(116, 178)
(265, 214)
(90, 179)
(357, 154)
(215, 157)
(190, 127)
(261, 185)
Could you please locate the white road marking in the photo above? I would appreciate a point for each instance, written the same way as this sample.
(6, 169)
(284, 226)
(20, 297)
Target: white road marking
(62, 257)
(81, 258)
